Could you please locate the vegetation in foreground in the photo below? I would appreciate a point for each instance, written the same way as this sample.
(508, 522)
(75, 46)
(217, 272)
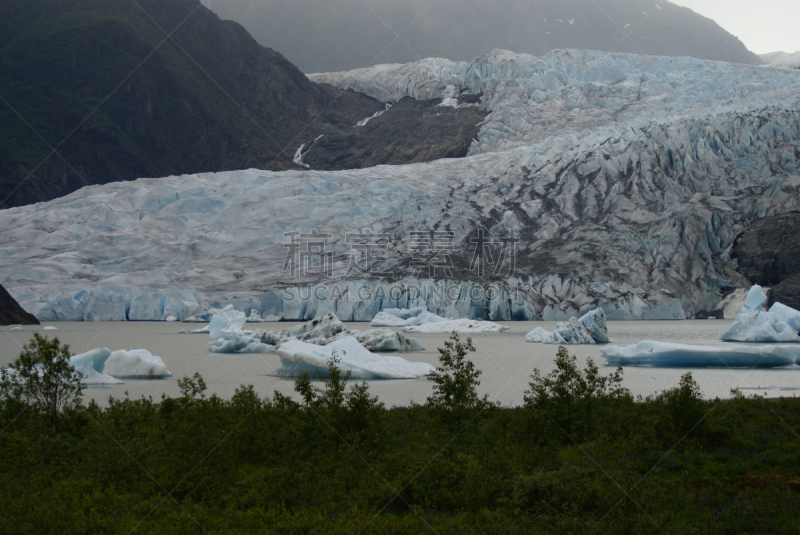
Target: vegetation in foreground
(580, 456)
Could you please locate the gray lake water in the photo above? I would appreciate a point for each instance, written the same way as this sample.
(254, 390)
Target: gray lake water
(505, 359)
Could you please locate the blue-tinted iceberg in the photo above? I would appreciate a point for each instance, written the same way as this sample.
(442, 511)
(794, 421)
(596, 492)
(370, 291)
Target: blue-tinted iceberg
(298, 357)
(104, 367)
(226, 335)
(669, 355)
(589, 329)
(755, 324)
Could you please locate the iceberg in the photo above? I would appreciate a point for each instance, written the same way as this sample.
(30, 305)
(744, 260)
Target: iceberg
(104, 367)
(226, 335)
(404, 317)
(298, 357)
(465, 326)
(755, 324)
(328, 328)
(135, 364)
(663, 354)
(91, 364)
(589, 329)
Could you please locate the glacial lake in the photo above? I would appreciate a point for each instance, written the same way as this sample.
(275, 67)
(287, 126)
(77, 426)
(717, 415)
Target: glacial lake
(505, 359)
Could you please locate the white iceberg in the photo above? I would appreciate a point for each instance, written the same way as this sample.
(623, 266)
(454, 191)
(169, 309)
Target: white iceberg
(404, 317)
(104, 367)
(16, 327)
(459, 326)
(226, 335)
(755, 324)
(589, 329)
(298, 357)
(50, 328)
(135, 364)
(663, 354)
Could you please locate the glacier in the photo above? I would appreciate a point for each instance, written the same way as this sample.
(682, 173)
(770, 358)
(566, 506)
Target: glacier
(625, 178)
(588, 329)
(664, 354)
(298, 357)
(756, 324)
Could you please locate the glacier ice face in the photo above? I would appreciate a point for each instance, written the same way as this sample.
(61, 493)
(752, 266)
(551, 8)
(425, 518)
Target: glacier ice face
(589, 329)
(298, 357)
(663, 354)
(627, 178)
(104, 367)
(755, 324)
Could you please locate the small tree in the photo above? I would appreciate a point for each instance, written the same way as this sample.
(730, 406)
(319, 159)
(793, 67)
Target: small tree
(569, 394)
(43, 377)
(456, 379)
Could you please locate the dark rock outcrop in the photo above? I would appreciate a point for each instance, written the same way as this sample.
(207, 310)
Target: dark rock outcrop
(410, 131)
(11, 313)
(769, 254)
(95, 92)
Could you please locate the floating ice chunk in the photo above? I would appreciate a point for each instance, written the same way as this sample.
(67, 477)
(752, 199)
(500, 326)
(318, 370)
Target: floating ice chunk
(663, 354)
(386, 340)
(91, 364)
(459, 326)
(787, 315)
(226, 335)
(755, 298)
(321, 328)
(754, 324)
(135, 364)
(104, 367)
(589, 329)
(171, 318)
(328, 328)
(404, 317)
(50, 328)
(298, 357)
(16, 327)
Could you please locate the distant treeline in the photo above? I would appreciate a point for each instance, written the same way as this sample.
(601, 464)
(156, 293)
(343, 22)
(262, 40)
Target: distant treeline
(582, 455)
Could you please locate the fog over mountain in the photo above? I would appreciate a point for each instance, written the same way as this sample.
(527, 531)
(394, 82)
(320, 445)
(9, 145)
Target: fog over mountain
(340, 35)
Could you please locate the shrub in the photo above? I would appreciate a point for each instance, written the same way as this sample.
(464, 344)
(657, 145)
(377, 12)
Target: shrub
(42, 377)
(569, 395)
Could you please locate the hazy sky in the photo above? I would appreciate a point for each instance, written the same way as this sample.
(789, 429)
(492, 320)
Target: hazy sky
(762, 25)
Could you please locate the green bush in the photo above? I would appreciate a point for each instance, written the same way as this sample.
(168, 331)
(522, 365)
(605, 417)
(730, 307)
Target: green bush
(43, 378)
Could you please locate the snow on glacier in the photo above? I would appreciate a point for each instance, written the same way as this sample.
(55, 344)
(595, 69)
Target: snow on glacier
(664, 354)
(298, 357)
(588, 329)
(756, 324)
(626, 177)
